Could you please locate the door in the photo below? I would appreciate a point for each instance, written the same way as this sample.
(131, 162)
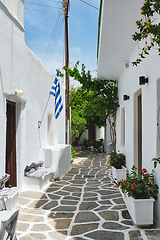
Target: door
(92, 134)
(139, 131)
(11, 144)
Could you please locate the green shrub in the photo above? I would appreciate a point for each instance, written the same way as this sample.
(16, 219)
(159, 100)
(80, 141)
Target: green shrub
(117, 160)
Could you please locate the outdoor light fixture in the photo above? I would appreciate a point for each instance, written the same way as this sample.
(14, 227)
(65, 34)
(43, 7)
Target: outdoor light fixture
(143, 80)
(18, 92)
(117, 105)
(125, 97)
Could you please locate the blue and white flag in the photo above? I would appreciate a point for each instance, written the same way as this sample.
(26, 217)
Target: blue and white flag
(55, 91)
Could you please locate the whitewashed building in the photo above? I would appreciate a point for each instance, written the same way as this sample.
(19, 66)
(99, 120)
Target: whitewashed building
(138, 117)
(21, 141)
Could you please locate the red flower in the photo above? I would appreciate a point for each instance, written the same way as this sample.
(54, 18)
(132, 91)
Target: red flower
(115, 160)
(144, 170)
(124, 181)
(110, 154)
(118, 150)
(135, 167)
(133, 186)
(124, 160)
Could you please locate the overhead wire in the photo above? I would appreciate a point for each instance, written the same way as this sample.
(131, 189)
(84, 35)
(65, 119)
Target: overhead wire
(51, 1)
(40, 11)
(56, 30)
(89, 4)
(37, 4)
(53, 41)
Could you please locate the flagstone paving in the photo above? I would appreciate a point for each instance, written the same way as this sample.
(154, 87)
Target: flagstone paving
(85, 204)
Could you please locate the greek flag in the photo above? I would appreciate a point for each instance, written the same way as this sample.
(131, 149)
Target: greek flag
(55, 91)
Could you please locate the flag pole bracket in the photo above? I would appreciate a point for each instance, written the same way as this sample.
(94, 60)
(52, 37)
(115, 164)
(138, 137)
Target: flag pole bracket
(39, 124)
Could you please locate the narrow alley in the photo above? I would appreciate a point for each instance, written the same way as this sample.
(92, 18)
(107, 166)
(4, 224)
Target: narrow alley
(85, 204)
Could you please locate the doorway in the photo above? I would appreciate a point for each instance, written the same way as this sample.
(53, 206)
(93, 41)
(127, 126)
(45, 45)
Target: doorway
(11, 167)
(139, 131)
(92, 134)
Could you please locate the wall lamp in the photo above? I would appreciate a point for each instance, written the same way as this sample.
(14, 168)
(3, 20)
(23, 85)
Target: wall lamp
(143, 80)
(117, 105)
(18, 92)
(125, 97)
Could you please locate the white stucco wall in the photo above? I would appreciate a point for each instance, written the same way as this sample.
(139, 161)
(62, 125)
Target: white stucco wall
(22, 70)
(129, 84)
(99, 133)
(116, 49)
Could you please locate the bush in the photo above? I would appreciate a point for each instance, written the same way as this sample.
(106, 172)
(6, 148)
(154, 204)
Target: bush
(139, 187)
(117, 160)
(74, 152)
(98, 145)
(85, 143)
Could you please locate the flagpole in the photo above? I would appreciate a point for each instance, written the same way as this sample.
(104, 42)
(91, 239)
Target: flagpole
(40, 122)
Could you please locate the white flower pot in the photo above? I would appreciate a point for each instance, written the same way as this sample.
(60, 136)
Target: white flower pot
(141, 210)
(119, 174)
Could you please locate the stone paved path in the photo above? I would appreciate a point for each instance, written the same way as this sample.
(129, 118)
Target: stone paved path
(85, 204)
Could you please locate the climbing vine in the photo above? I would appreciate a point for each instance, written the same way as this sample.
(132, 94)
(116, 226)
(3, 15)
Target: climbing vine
(149, 29)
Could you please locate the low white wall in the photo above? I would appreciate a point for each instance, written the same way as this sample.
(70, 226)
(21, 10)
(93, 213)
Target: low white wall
(58, 158)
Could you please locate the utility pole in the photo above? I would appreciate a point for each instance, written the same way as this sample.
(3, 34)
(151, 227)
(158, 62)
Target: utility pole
(68, 131)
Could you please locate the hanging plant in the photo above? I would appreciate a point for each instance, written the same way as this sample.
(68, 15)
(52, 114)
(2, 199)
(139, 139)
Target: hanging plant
(149, 30)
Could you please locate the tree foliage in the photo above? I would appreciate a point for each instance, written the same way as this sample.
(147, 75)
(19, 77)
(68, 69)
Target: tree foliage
(148, 29)
(86, 111)
(104, 98)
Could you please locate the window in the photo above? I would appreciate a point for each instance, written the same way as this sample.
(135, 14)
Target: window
(122, 127)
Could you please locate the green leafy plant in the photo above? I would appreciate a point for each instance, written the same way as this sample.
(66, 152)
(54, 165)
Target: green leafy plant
(117, 160)
(87, 110)
(148, 29)
(156, 161)
(74, 152)
(98, 145)
(139, 186)
(105, 95)
(85, 143)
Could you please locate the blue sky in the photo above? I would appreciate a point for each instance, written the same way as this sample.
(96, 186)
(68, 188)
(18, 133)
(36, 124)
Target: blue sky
(44, 29)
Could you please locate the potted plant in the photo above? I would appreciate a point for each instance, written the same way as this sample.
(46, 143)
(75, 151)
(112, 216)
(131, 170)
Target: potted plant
(117, 162)
(141, 192)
